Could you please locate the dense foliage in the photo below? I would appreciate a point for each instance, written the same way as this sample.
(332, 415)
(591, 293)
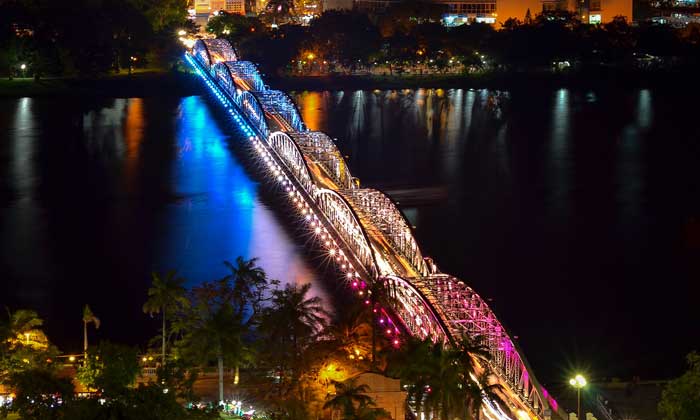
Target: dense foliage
(411, 37)
(681, 398)
(273, 347)
(87, 37)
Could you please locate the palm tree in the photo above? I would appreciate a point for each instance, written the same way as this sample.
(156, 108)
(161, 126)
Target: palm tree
(351, 331)
(290, 325)
(88, 317)
(479, 390)
(348, 398)
(218, 336)
(215, 326)
(249, 291)
(19, 323)
(250, 284)
(166, 294)
(472, 351)
(414, 364)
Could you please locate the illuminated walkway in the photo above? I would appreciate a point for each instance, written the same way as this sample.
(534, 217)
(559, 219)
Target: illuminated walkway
(365, 233)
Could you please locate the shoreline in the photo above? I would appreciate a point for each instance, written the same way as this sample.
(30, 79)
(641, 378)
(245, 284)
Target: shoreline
(176, 83)
(140, 84)
(605, 78)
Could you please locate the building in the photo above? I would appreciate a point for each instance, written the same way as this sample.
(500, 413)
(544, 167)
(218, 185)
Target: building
(498, 11)
(337, 5)
(208, 7)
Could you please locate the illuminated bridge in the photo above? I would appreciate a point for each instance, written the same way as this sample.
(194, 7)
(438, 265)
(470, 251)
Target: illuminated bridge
(365, 233)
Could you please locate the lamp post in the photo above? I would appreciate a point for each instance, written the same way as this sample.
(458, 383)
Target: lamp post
(578, 382)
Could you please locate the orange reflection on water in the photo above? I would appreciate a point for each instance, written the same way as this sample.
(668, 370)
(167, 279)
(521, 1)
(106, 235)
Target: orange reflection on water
(311, 109)
(133, 135)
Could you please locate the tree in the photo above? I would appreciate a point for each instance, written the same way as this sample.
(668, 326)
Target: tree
(479, 390)
(165, 295)
(110, 368)
(291, 323)
(38, 393)
(220, 316)
(235, 27)
(681, 398)
(23, 346)
(351, 332)
(440, 378)
(349, 397)
(88, 317)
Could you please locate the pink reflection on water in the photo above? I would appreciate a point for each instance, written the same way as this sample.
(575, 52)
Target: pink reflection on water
(278, 254)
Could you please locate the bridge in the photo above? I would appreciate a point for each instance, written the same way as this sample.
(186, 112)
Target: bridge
(364, 233)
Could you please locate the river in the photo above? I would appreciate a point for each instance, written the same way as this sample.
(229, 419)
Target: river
(576, 214)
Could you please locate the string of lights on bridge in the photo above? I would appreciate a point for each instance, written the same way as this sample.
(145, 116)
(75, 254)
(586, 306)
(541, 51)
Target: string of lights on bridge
(415, 297)
(306, 213)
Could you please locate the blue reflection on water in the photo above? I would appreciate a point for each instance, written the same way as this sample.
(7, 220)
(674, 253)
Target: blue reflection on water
(218, 214)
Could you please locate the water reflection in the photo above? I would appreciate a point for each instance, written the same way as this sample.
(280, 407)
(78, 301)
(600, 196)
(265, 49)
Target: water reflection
(559, 206)
(129, 186)
(559, 159)
(219, 214)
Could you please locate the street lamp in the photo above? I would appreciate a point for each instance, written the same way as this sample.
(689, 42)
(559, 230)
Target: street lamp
(578, 382)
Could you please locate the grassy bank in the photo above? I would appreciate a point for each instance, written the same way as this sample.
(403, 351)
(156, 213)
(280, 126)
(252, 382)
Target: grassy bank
(138, 84)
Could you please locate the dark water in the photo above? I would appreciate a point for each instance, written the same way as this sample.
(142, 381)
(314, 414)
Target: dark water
(578, 215)
(145, 184)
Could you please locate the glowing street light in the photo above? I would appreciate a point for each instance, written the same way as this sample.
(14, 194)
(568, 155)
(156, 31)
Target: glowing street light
(578, 382)
(182, 32)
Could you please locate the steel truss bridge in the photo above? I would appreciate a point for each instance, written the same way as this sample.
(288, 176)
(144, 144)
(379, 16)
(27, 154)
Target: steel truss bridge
(363, 231)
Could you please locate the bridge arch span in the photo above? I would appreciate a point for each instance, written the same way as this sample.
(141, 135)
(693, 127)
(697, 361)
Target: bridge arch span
(323, 149)
(415, 310)
(391, 221)
(344, 219)
(278, 105)
(223, 75)
(212, 51)
(246, 75)
(467, 313)
(254, 111)
(289, 151)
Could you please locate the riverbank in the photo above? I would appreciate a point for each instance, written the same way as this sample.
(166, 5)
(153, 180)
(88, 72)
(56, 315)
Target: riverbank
(183, 83)
(595, 79)
(139, 84)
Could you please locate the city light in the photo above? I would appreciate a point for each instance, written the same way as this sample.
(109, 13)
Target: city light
(578, 382)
